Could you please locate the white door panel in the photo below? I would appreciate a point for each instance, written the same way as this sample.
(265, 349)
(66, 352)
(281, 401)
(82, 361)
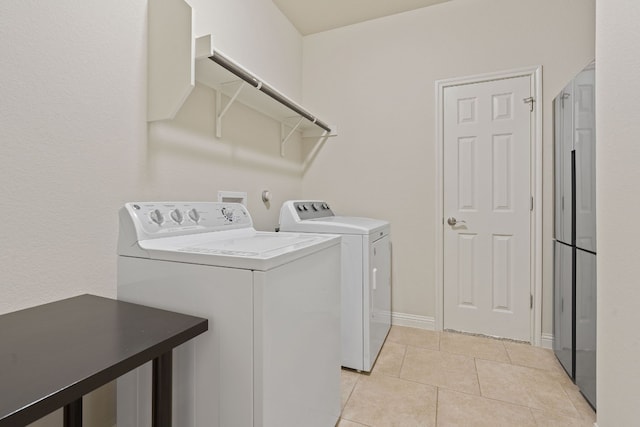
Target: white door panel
(487, 191)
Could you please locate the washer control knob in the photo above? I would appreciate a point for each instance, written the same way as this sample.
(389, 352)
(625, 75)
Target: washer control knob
(228, 214)
(300, 208)
(177, 216)
(156, 216)
(194, 215)
(305, 207)
(315, 206)
(325, 206)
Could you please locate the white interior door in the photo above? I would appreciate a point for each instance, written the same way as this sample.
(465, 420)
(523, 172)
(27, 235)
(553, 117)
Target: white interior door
(487, 204)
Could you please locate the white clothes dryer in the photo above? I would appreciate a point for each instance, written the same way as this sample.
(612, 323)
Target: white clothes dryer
(366, 275)
(271, 357)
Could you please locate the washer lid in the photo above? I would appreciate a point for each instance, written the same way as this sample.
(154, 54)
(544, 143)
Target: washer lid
(243, 248)
(340, 225)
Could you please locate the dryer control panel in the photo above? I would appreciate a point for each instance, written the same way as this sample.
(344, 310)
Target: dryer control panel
(309, 209)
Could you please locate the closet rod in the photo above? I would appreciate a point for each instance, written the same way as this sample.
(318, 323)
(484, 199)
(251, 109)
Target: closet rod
(245, 75)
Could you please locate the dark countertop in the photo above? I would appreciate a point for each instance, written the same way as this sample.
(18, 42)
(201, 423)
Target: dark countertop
(52, 354)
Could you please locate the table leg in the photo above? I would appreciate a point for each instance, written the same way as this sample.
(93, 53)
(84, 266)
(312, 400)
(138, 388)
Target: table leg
(162, 388)
(73, 414)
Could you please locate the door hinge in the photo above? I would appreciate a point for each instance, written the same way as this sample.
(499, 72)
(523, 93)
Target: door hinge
(531, 301)
(530, 100)
(531, 204)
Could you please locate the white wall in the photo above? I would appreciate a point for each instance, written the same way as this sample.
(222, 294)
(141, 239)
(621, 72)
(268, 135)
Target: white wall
(186, 161)
(377, 79)
(74, 146)
(72, 134)
(257, 35)
(618, 177)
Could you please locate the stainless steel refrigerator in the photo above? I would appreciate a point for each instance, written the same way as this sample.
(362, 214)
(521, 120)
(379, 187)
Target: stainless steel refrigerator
(574, 322)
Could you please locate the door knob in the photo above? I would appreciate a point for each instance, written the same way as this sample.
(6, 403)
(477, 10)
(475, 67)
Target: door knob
(452, 221)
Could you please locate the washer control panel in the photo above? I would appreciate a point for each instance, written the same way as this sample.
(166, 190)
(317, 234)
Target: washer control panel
(161, 219)
(309, 209)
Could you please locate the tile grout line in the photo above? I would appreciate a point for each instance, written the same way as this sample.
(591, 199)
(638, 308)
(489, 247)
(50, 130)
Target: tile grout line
(418, 382)
(580, 415)
(510, 362)
(506, 350)
(359, 374)
(437, 402)
(354, 422)
(531, 408)
(474, 357)
(346, 402)
(404, 357)
(533, 417)
(475, 365)
(430, 385)
(506, 402)
(352, 390)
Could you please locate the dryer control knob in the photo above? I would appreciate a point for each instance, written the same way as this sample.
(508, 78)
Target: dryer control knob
(194, 215)
(176, 215)
(156, 216)
(315, 206)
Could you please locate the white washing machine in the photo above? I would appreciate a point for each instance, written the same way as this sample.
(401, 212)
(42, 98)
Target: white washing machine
(271, 357)
(366, 275)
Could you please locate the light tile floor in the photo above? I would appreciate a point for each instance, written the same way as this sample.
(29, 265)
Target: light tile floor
(427, 378)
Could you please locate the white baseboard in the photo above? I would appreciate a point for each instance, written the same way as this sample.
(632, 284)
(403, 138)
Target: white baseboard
(429, 323)
(413, 321)
(546, 341)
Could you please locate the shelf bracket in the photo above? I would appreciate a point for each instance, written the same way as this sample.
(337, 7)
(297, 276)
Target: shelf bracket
(284, 140)
(226, 108)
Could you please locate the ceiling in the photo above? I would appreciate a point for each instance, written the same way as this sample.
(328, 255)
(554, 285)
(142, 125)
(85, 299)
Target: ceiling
(314, 16)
